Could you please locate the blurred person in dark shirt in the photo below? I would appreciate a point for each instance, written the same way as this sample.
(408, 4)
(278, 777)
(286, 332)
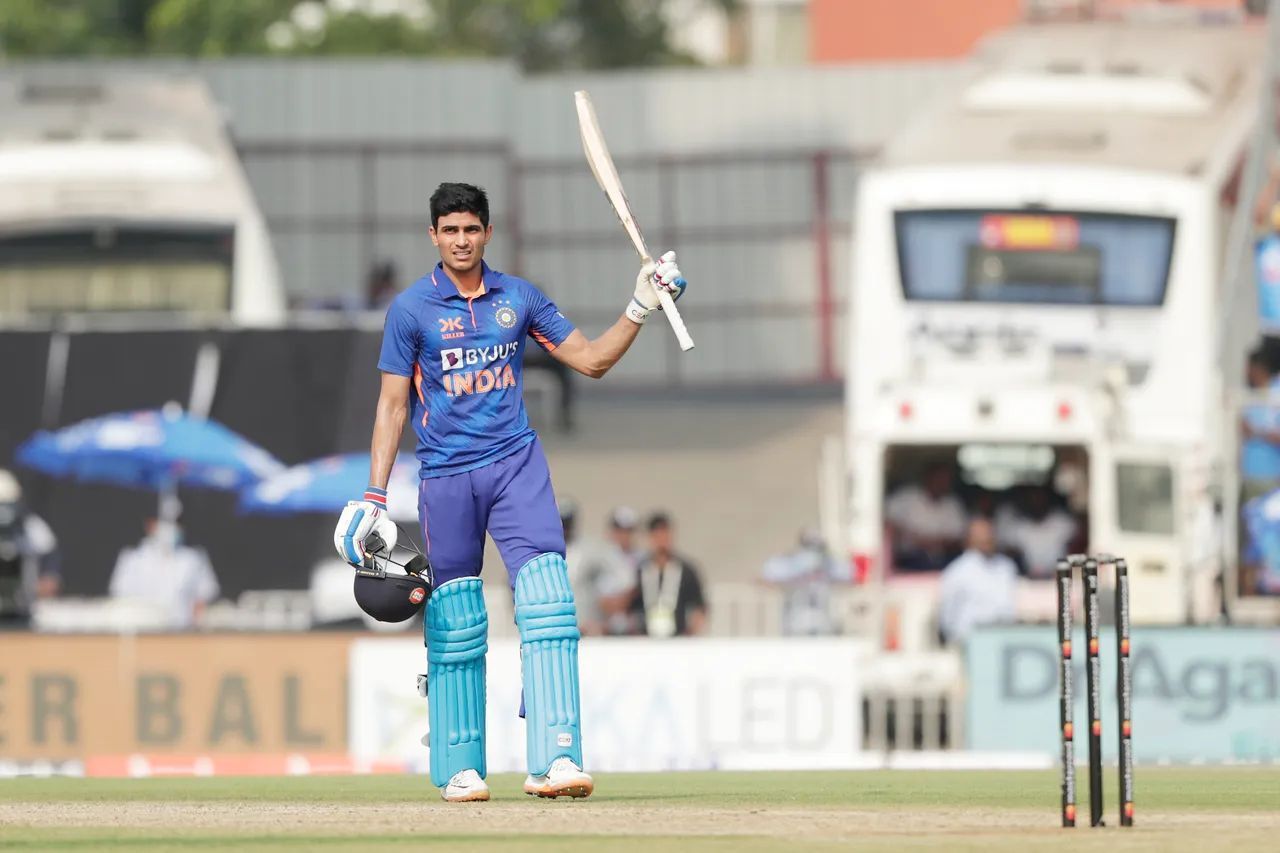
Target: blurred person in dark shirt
(381, 288)
(668, 599)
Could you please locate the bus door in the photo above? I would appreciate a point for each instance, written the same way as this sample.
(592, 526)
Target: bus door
(1140, 514)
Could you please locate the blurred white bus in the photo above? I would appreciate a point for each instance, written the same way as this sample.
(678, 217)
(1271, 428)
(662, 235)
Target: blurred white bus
(1037, 278)
(126, 195)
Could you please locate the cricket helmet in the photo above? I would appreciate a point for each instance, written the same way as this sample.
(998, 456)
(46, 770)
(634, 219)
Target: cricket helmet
(391, 597)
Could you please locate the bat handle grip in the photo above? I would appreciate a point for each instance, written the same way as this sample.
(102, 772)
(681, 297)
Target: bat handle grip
(676, 321)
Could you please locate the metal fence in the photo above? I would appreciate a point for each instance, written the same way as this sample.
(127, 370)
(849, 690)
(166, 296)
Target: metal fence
(765, 236)
(749, 172)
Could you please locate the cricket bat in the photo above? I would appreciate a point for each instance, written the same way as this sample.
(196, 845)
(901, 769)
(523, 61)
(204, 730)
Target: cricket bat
(607, 177)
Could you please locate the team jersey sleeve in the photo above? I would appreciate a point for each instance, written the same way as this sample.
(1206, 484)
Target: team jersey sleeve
(547, 325)
(399, 340)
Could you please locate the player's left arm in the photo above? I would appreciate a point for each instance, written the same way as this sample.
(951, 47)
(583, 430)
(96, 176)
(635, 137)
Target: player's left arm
(594, 357)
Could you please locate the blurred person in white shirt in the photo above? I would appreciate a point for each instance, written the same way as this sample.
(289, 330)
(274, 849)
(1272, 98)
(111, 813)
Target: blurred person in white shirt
(615, 575)
(927, 521)
(602, 573)
(1039, 531)
(805, 577)
(977, 588)
(163, 571)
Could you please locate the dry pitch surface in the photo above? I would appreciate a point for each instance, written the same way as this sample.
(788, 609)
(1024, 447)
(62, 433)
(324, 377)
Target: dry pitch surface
(1177, 809)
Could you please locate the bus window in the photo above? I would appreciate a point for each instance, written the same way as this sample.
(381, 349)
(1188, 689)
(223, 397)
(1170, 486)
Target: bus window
(1144, 497)
(1040, 258)
(117, 268)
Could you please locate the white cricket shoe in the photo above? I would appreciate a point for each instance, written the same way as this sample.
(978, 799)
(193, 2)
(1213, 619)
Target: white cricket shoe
(562, 779)
(466, 786)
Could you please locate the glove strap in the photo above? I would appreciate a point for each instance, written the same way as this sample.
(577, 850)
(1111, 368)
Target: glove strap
(376, 496)
(637, 313)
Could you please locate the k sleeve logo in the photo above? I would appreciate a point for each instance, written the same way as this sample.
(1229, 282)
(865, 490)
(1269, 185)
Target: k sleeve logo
(450, 327)
(451, 359)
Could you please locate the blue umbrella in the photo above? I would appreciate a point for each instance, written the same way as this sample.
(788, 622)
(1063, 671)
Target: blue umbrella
(157, 449)
(325, 485)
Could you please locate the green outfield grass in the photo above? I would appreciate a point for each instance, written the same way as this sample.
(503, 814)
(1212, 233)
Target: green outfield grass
(1177, 808)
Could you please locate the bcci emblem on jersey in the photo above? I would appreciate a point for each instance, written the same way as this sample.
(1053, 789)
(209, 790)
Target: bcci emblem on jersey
(506, 316)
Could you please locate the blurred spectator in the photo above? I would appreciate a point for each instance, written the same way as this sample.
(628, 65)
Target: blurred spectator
(805, 577)
(668, 599)
(926, 522)
(1267, 271)
(163, 571)
(381, 288)
(603, 575)
(1260, 430)
(1260, 554)
(1040, 532)
(29, 561)
(978, 587)
(616, 575)
(1259, 466)
(982, 503)
(623, 522)
(1071, 478)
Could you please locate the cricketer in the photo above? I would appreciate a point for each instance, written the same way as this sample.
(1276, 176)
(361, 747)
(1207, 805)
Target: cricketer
(451, 364)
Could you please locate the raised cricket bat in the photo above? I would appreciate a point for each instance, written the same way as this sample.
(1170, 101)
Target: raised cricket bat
(607, 177)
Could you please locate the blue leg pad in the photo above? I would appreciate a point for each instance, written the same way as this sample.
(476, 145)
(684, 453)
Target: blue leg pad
(457, 634)
(548, 625)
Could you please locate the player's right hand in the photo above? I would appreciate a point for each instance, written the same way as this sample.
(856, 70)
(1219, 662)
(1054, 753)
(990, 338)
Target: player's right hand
(358, 520)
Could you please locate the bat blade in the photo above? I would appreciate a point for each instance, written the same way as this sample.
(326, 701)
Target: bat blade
(606, 174)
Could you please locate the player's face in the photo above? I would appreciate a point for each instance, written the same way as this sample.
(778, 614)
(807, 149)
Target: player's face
(461, 240)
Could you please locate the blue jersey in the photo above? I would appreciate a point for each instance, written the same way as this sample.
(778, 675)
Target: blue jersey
(465, 356)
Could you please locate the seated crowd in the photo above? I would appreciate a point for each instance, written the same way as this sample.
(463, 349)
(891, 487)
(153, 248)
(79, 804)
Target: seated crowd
(929, 524)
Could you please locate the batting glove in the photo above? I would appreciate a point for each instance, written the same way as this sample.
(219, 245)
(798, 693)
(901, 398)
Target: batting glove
(665, 275)
(358, 520)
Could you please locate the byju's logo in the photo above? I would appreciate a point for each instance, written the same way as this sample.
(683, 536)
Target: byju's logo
(451, 359)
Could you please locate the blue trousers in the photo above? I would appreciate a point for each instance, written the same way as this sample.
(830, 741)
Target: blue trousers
(510, 498)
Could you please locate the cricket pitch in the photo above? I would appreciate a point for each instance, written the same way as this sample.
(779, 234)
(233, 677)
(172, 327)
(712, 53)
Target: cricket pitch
(1177, 808)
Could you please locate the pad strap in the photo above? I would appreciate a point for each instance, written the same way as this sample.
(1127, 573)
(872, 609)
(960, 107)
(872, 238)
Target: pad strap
(549, 635)
(457, 634)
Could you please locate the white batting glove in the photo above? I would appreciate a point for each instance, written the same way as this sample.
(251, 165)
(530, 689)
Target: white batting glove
(665, 275)
(359, 519)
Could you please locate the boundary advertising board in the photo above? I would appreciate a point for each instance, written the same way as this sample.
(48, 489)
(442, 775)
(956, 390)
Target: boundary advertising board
(1199, 694)
(646, 705)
